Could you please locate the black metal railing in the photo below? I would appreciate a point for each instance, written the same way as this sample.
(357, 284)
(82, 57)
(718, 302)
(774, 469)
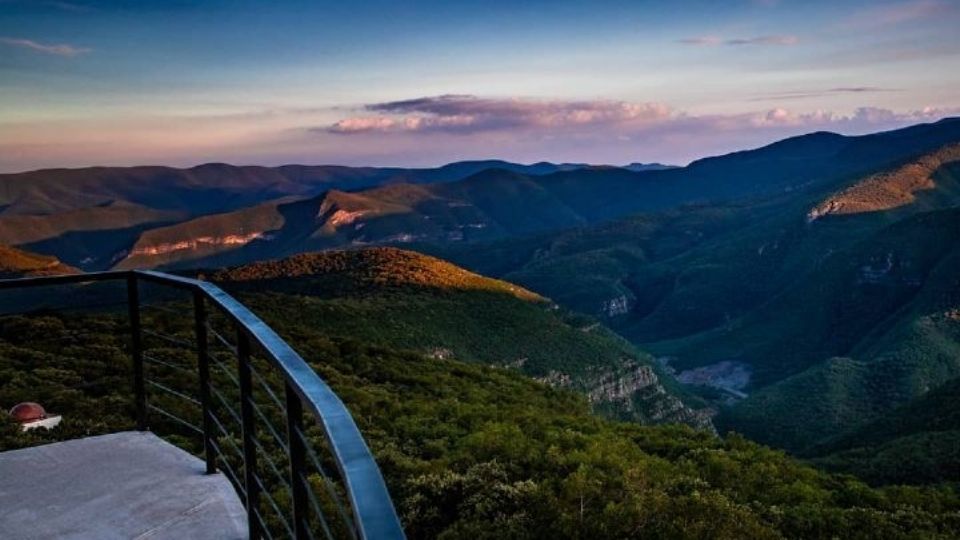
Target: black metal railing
(328, 484)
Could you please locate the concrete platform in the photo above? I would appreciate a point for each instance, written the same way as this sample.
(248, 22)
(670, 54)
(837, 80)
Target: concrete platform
(119, 486)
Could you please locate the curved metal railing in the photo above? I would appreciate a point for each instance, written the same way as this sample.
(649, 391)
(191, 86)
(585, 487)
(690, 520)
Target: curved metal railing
(371, 514)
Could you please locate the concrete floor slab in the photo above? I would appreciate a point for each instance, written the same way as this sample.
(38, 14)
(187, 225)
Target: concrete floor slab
(130, 485)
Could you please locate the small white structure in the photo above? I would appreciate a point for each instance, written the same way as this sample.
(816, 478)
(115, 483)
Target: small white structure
(32, 415)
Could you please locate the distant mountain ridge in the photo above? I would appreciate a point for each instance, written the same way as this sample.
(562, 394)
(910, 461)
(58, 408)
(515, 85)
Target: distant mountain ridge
(116, 209)
(72, 211)
(497, 203)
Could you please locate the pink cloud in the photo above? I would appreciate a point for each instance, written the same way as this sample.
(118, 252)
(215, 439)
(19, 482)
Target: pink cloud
(712, 41)
(466, 114)
(701, 40)
(471, 114)
(58, 50)
(592, 131)
(902, 12)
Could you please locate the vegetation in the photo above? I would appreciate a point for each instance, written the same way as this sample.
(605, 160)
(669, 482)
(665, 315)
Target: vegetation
(915, 444)
(405, 300)
(837, 321)
(470, 451)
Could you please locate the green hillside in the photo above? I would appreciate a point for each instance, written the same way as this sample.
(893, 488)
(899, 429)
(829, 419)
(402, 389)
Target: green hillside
(402, 299)
(475, 452)
(827, 319)
(914, 444)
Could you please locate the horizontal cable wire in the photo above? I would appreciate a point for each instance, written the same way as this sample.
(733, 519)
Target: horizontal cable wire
(263, 523)
(227, 372)
(171, 391)
(315, 503)
(164, 309)
(175, 418)
(269, 426)
(328, 483)
(276, 470)
(227, 468)
(267, 388)
(223, 341)
(233, 445)
(169, 339)
(226, 405)
(273, 503)
(154, 360)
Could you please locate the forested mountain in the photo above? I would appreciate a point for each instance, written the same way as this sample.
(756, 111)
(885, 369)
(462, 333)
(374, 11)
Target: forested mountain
(499, 203)
(92, 216)
(148, 216)
(804, 289)
(916, 443)
(405, 300)
(812, 312)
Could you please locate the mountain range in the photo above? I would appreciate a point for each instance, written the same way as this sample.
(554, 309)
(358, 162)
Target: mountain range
(803, 291)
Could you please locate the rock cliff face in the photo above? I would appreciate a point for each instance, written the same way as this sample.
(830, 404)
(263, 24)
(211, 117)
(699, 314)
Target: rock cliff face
(201, 241)
(633, 391)
(615, 306)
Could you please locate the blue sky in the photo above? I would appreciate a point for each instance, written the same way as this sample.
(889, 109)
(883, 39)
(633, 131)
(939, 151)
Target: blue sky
(423, 83)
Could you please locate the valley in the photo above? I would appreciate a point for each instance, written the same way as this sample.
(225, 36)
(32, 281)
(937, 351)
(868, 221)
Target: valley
(794, 293)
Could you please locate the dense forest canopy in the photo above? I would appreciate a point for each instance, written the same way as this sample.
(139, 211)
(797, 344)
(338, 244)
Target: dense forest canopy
(480, 452)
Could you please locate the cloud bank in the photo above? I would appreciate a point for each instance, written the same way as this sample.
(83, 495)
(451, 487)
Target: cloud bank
(433, 130)
(598, 131)
(468, 114)
(471, 114)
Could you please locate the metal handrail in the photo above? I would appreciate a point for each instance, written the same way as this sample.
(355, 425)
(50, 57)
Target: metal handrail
(372, 508)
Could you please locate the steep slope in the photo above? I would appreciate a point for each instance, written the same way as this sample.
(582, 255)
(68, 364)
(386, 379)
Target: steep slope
(820, 324)
(490, 204)
(204, 236)
(887, 190)
(403, 299)
(917, 443)
(16, 263)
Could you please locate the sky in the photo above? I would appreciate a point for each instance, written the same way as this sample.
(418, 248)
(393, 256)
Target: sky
(422, 83)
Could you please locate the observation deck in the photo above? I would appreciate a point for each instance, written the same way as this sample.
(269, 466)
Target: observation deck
(234, 433)
(124, 485)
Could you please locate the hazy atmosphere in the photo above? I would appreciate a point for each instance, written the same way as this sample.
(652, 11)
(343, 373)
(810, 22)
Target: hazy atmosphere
(426, 83)
(443, 270)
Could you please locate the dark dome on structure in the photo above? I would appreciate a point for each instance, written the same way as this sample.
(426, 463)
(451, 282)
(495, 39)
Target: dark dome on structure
(27, 411)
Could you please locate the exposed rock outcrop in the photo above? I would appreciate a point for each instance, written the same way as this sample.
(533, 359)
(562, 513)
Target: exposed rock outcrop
(633, 391)
(887, 190)
(619, 305)
(200, 241)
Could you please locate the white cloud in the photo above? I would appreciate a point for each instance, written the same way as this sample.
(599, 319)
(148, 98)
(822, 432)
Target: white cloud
(58, 50)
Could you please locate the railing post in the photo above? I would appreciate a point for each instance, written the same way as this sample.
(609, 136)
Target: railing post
(203, 368)
(297, 462)
(136, 350)
(249, 448)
